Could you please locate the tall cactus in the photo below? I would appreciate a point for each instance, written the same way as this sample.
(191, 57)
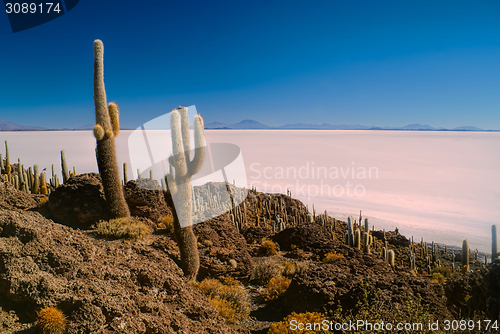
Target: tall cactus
(465, 256)
(494, 249)
(179, 194)
(105, 131)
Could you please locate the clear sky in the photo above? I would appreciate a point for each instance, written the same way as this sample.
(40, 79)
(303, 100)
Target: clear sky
(383, 63)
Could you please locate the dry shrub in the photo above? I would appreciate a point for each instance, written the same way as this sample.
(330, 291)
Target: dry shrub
(268, 248)
(284, 326)
(276, 287)
(438, 278)
(123, 228)
(330, 257)
(266, 268)
(229, 298)
(289, 269)
(167, 223)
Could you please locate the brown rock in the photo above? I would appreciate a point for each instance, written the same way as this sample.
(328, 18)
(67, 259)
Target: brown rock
(345, 280)
(145, 199)
(79, 201)
(12, 199)
(227, 253)
(101, 286)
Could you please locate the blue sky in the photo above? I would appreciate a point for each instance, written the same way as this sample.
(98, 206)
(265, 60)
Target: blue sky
(383, 63)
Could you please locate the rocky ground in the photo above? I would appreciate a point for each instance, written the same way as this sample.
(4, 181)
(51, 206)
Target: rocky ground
(51, 256)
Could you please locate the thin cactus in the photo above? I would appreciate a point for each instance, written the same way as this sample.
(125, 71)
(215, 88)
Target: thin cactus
(105, 131)
(36, 180)
(7, 161)
(350, 236)
(125, 178)
(494, 249)
(357, 239)
(64, 167)
(465, 256)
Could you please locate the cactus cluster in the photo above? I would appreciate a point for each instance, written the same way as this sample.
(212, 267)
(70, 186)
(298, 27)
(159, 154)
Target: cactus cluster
(29, 180)
(358, 237)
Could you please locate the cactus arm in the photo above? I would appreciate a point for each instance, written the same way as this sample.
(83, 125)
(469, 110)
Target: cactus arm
(101, 107)
(178, 160)
(98, 132)
(183, 112)
(114, 113)
(199, 152)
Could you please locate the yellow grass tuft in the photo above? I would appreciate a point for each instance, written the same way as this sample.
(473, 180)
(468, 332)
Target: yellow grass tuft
(123, 228)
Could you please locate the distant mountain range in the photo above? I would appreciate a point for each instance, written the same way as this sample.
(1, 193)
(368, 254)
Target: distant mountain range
(9, 126)
(249, 124)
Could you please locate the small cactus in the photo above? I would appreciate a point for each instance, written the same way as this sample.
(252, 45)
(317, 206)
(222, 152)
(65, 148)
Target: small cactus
(350, 236)
(7, 161)
(391, 257)
(51, 321)
(125, 178)
(64, 167)
(36, 180)
(465, 256)
(494, 249)
(357, 239)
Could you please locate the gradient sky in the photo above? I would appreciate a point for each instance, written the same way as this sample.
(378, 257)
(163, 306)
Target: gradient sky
(383, 63)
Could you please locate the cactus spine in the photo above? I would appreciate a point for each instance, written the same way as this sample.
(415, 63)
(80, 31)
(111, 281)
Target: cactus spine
(179, 186)
(494, 249)
(465, 256)
(105, 131)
